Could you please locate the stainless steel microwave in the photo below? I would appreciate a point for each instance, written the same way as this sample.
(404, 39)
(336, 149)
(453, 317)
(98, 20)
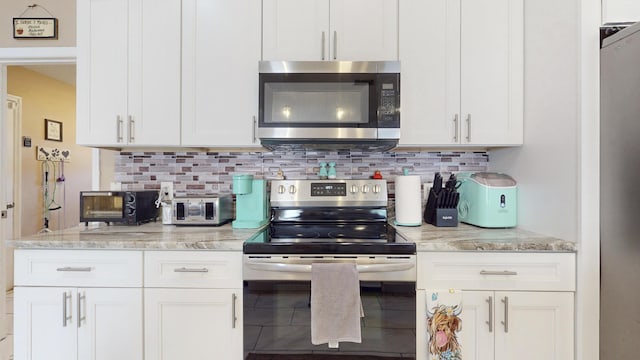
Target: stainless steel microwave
(329, 102)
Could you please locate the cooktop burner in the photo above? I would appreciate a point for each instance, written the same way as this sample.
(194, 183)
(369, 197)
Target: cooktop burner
(387, 242)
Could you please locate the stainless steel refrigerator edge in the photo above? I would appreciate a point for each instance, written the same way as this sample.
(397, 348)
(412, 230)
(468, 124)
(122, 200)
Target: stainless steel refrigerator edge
(620, 195)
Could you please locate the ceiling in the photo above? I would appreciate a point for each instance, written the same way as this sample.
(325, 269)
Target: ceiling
(64, 72)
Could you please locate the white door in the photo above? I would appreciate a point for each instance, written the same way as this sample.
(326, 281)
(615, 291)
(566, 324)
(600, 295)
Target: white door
(10, 157)
(478, 325)
(539, 325)
(40, 329)
(364, 30)
(295, 30)
(111, 323)
(220, 55)
(194, 324)
(492, 71)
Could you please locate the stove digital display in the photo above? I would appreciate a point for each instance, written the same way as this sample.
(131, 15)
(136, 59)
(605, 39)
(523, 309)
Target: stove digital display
(328, 189)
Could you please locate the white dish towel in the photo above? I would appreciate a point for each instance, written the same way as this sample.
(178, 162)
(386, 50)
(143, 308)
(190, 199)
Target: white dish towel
(336, 307)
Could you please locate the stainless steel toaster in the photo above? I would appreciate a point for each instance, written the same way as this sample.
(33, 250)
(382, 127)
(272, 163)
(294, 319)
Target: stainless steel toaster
(202, 210)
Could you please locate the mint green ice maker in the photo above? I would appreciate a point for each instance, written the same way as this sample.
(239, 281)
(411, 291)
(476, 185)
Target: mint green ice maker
(488, 199)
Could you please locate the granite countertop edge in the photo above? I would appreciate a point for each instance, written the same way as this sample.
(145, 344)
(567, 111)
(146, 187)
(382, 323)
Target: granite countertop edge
(155, 236)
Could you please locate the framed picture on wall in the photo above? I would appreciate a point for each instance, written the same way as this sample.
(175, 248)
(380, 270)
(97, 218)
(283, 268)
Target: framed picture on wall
(52, 130)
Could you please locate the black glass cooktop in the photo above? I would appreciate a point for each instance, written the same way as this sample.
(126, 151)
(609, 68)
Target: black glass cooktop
(329, 239)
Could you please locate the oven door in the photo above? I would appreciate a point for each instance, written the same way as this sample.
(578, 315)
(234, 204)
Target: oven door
(103, 206)
(277, 314)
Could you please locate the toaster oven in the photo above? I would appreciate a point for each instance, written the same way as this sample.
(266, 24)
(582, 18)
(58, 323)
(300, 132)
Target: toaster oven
(121, 207)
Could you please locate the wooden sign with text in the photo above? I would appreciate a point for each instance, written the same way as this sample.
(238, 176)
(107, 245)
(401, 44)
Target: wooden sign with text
(35, 28)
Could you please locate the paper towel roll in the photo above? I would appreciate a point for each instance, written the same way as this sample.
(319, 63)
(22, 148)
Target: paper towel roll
(408, 200)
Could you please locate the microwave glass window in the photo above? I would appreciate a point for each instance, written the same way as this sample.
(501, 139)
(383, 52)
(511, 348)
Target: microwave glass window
(317, 103)
(110, 207)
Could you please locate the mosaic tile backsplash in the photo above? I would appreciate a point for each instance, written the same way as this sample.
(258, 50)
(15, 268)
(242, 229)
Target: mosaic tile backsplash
(208, 173)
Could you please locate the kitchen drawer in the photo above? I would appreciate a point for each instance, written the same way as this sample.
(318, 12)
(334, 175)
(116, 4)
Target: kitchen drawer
(193, 269)
(496, 271)
(88, 268)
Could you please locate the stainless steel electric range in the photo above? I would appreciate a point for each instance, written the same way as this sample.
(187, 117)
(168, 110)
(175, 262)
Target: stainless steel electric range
(328, 221)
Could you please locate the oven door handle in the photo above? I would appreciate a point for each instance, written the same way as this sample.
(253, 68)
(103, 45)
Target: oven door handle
(306, 268)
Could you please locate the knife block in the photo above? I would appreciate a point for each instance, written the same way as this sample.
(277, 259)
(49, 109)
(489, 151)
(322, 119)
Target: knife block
(442, 217)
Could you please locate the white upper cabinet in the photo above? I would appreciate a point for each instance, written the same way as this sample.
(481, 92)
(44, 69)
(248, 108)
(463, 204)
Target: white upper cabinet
(354, 30)
(462, 72)
(620, 11)
(220, 55)
(128, 72)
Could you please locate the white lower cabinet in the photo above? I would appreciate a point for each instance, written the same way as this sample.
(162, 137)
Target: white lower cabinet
(193, 305)
(517, 325)
(194, 324)
(69, 321)
(514, 305)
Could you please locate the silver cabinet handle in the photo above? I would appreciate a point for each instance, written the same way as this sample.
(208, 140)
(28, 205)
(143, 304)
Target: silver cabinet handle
(79, 308)
(490, 322)
(504, 272)
(74, 269)
(119, 136)
(190, 270)
(234, 318)
(335, 45)
(132, 129)
(65, 318)
(255, 125)
(506, 314)
(322, 50)
(455, 127)
(468, 127)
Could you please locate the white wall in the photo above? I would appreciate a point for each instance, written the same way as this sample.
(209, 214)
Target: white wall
(546, 167)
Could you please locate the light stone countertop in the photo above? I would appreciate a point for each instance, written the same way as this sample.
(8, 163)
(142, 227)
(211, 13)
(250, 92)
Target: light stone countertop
(155, 236)
(151, 236)
(466, 237)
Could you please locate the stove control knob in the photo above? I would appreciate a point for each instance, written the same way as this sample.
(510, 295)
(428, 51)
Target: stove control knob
(354, 189)
(376, 189)
(365, 189)
(292, 189)
(281, 189)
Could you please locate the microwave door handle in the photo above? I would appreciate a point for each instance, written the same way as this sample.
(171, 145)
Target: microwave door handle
(306, 268)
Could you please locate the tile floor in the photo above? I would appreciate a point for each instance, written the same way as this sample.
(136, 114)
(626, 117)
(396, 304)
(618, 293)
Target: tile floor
(7, 349)
(279, 322)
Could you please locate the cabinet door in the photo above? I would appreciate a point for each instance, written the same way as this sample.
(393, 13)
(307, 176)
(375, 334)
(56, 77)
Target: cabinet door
(364, 30)
(220, 54)
(295, 30)
(620, 11)
(539, 325)
(478, 325)
(110, 323)
(195, 324)
(430, 84)
(40, 329)
(153, 116)
(128, 72)
(492, 71)
(103, 34)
